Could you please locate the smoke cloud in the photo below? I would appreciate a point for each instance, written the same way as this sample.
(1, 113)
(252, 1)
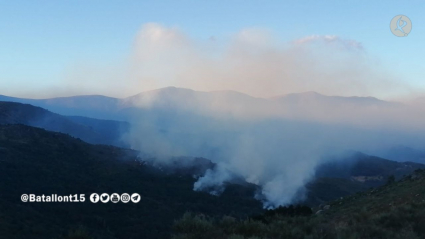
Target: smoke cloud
(253, 61)
(275, 143)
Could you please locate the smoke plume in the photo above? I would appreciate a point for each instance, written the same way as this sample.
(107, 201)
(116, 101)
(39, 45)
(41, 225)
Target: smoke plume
(275, 143)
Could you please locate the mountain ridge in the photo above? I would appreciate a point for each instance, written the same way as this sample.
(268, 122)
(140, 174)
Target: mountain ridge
(91, 130)
(174, 89)
(104, 107)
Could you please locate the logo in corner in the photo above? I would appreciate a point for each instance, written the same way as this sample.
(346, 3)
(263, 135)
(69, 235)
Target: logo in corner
(401, 26)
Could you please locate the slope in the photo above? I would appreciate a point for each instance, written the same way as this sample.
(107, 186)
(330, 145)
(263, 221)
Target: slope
(396, 210)
(36, 161)
(90, 130)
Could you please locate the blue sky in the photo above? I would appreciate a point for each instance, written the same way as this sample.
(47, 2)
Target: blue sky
(41, 40)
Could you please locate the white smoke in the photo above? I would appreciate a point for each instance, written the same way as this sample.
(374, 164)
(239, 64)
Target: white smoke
(275, 143)
(278, 152)
(252, 61)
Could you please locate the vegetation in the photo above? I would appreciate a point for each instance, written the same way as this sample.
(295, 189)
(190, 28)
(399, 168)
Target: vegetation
(93, 131)
(33, 160)
(37, 161)
(396, 210)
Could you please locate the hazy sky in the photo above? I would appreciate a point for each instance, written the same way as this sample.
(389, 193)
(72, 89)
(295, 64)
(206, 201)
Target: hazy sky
(54, 48)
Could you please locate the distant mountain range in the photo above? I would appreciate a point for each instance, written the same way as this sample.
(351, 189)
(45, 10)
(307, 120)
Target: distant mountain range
(89, 106)
(167, 104)
(404, 153)
(91, 130)
(365, 168)
(312, 97)
(172, 98)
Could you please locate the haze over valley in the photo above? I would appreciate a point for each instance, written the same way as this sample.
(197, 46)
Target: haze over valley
(275, 143)
(212, 119)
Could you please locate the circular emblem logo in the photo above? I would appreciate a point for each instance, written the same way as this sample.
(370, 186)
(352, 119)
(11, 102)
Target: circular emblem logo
(135, 197)
(104, 197)
(401, 26)
(94, 197)
(125, 197)
(115, 197)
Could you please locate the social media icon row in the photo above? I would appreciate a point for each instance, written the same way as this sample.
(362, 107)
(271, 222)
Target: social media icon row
(115, 197)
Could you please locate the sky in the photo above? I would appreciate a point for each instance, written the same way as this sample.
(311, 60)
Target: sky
(59, 48)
